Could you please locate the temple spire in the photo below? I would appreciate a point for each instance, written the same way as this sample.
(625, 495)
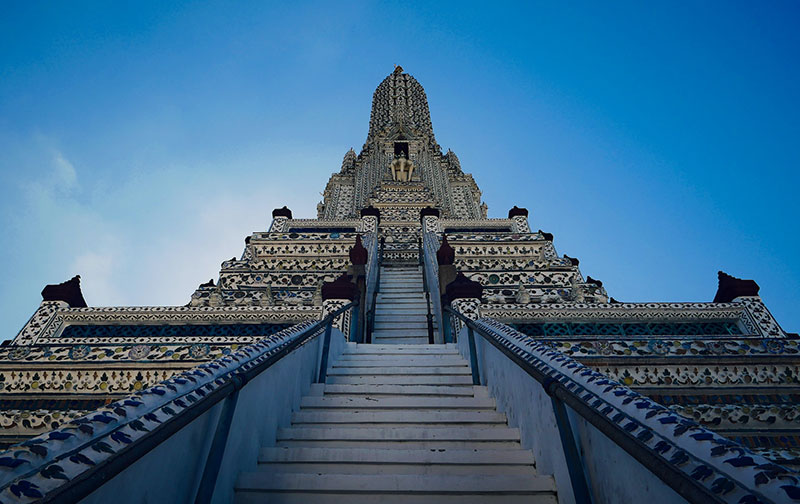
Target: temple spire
(400, 102)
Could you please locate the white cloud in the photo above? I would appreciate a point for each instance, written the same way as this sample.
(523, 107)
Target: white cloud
(65, 175)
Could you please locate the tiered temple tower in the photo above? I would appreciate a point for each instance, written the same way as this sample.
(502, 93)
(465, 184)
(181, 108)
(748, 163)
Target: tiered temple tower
(399, 210)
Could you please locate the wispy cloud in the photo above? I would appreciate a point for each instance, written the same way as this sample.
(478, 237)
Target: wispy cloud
(64, 172)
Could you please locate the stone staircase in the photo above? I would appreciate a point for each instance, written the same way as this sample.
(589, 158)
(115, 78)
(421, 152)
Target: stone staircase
(401, 308)
(397, 423)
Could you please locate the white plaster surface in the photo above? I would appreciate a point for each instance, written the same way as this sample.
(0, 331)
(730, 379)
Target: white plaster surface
(171, 472)
(614, 476)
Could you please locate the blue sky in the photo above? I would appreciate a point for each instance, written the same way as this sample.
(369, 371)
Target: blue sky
(140, 142)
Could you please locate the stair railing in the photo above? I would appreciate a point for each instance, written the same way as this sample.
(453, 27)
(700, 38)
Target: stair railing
(428, 315)
(696, 463)
(373, 283)
(430, 268)
(71, 462)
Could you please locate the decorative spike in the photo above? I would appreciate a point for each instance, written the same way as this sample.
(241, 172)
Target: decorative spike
(731, 287)
(69, 292)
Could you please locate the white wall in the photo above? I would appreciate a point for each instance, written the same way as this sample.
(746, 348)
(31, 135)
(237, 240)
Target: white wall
(170, 473)
(614, 476)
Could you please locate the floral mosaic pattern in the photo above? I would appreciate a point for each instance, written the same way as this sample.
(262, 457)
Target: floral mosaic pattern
(27, 421)
(728, 471)
(49, 331)
(658, 347)
(712, 374)
(734, 415)
(37, 466)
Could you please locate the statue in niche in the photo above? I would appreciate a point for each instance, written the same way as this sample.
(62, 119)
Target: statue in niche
(402, 168)
(522, 296)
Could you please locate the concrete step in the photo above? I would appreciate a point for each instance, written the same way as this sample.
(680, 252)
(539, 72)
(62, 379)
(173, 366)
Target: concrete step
(392, 332)
(402, 330)
(421, 390)
(420, 323)
(395, 317)
(400, 461)
(415, 330)
(400, 319)
(421, 418)
(390, 298)
(401, 358)
(418, 362)
(394, 402)
(401, 379)
(380, 434)
(367, 348)
(397, 350)
(324, 497)
(400, 305)
(358, 488)
(400, 333)
(400, 308)
(417, 340)
(410, 320)
(388, 468)
(421, 444)
(365, 456)
(400, 370)
(408, 325)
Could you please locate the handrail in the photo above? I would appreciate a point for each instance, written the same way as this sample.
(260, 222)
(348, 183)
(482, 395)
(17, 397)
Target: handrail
(141, 422)
(688, 459)
(430, 243)
(373, 284)
(426, 289)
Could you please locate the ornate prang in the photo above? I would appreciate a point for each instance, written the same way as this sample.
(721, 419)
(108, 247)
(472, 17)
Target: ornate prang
(69, 292)
(282, 212)
(358, 254)
(731, 287)
(341, 288)
(446, 255)
(462, 287)
(517, 212)
(727, 362)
